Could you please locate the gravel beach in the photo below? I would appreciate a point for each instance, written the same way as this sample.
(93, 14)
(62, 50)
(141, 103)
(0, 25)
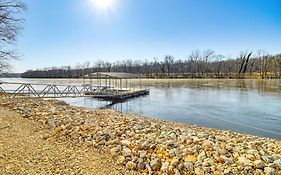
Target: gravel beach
(50, 137)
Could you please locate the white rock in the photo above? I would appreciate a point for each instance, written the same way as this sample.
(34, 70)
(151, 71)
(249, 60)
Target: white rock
(259, 164)
(201, 156)
(126, 152)
(114, 150)
(165, 167)
(278, 163)
(269, 170)
(142, 154)
(207, 143)
(188, 166)
(125, 142)
(244, 161)
(173, 135)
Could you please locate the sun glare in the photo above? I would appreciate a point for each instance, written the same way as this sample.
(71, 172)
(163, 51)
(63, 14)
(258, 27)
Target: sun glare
(104, 5)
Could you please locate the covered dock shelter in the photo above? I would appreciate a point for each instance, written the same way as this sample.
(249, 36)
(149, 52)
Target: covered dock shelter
(113, 85)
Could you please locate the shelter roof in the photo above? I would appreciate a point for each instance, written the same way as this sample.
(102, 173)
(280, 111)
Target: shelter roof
(120, 75)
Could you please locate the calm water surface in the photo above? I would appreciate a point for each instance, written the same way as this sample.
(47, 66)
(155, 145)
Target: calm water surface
(247, 106)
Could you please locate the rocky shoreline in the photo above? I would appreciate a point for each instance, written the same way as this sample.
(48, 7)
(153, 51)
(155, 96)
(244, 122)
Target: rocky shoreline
(143, 145)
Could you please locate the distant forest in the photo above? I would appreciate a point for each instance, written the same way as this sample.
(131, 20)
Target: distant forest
(199, 64)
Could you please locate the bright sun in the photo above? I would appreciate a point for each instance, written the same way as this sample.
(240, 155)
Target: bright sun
(103, 4)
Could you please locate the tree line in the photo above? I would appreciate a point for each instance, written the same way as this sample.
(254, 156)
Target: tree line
(199, 64)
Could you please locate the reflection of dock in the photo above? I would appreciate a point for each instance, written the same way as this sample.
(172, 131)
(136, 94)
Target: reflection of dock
(108, 86)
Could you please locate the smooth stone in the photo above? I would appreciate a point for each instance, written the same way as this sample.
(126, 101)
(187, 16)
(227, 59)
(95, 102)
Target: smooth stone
(269, 170)
(244, 161)
(222, 151)
(173, 135)
(278, 163)
(126, 152)
(207, 143)
(259, 164)
(125, 142)
(142, 154)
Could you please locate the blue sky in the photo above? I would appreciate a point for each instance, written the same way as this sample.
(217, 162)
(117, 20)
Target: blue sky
(66, 32)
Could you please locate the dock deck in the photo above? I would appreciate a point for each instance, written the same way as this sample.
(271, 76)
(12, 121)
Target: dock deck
(121, 95)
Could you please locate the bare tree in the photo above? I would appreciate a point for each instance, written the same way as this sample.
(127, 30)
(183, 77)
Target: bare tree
(263, 57)
(206, 59)
(244, 60)
(194, 60)
(10, 27)
(219, 62)
(169, 60)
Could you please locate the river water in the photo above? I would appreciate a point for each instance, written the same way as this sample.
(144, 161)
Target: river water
(246, 106)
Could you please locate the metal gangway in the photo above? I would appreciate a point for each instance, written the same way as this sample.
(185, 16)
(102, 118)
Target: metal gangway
(49, 90)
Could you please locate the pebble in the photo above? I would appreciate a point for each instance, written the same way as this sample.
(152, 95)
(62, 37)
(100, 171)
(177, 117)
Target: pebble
(131, 165)
(125, 142)
(190, 158)
(244, 161)
(269, 170)
(165, 167)
(278, 163)
(141, 166)
(121, 160)
(188, 166)
(151, 145)
(142, 154)
(174, 162)
(126, 152)
(259, 164)
(155, 164)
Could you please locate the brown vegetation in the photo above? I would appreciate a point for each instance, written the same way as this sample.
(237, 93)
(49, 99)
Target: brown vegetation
(200, 64)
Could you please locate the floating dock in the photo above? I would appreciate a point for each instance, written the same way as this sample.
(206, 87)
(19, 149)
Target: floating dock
(108, 86)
